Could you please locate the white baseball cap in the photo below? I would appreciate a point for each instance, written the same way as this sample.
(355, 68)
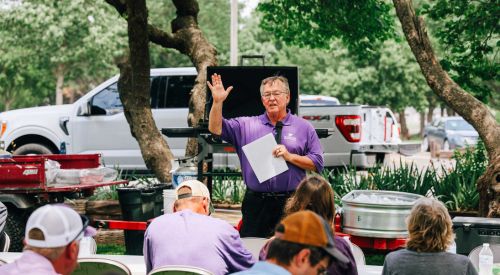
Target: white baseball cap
(59, 224)
(198, 189)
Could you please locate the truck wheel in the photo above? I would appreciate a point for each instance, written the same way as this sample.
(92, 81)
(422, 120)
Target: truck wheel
(16, 222)
(425, 144)
(379, 158)
(33, 148)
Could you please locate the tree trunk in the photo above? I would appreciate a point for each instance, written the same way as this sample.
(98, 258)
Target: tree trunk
(422, 123)
(134, 85)
(201, 53)
(59, 74)
(187, 38)
(430, 113)
(404, 127)
(467, 106)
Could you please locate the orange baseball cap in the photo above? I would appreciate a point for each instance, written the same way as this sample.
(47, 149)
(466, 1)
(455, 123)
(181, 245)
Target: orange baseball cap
(308, 228)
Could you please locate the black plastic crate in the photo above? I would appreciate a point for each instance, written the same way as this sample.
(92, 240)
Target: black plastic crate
(472, 231)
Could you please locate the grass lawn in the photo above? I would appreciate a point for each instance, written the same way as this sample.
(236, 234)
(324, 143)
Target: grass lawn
(112, 249)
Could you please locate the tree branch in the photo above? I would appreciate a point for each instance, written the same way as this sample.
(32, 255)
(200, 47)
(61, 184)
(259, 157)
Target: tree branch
(471, 109)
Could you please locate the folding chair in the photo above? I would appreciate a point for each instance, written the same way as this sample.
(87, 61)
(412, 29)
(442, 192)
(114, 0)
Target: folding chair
(4, 243)
(179, 270)
(254, 245)
(98, 266)
(358, 254)
(88, 247)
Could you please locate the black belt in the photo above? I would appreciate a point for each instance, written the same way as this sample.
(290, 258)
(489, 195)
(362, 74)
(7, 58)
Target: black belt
(270, 194)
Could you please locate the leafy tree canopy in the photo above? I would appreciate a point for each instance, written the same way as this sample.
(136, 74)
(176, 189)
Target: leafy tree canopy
(359, 24)
(468, 32)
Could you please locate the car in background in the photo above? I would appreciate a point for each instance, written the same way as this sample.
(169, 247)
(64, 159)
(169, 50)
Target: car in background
(449, 133)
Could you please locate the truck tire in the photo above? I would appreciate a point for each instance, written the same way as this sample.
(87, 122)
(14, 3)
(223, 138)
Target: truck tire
(16, 222)
(380, 158)
(425, 145)
(33, 148)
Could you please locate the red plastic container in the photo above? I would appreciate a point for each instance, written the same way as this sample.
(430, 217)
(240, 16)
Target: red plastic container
(26, 174)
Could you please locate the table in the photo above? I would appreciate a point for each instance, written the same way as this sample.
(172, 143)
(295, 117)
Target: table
(137, 266)
(369, 269)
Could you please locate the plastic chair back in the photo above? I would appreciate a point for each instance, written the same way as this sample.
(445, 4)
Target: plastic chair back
(5, 244)
(88, 247)
(254, 245)
(358, 254)
(179, 270)
(97, 266)
(474, 254)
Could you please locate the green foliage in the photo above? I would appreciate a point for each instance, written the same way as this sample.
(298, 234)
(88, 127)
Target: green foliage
(105, 193)
(455, 187)
(359, 24)
(230, 189)
(111, 249)
(41, 39)
(469, 34)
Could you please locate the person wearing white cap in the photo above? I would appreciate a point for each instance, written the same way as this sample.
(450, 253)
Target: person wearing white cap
(53, 233)
(189, 236)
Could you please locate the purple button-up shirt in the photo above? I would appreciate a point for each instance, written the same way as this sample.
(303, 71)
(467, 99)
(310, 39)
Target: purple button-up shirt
(30, 263)
(188, 238)
(298, 136)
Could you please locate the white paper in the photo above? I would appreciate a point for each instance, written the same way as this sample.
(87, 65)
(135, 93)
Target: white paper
(260, 156)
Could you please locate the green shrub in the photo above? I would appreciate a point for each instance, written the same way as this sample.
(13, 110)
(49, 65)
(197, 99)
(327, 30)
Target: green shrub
(455, 187)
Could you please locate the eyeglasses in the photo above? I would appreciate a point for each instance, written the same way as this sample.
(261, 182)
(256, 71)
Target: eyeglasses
(274, 94)
(85, 223)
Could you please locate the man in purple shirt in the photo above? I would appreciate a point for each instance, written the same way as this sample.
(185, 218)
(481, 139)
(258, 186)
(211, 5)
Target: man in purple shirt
(190, 237)
(53, 234)
(298, 145)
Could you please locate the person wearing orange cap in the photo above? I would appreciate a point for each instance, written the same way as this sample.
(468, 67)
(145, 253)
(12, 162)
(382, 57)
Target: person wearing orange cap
(303, 244)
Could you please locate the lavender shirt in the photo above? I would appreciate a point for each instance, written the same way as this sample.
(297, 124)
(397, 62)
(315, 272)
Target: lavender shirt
(188, 238)
(297, 135)
(30, 263)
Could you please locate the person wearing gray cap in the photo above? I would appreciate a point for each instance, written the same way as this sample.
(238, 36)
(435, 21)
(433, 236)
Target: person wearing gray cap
(53, 233)
(190, 237)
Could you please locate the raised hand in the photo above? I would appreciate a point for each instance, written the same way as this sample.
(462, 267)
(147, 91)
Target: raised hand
(219, 94)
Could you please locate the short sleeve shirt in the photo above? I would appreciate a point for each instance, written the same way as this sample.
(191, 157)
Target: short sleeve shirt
(298, 136)
(188, 238)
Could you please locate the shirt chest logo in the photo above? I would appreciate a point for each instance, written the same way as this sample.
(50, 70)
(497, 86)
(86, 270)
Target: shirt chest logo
(290, 137)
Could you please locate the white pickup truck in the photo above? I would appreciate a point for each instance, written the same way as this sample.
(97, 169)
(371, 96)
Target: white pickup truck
(95, 123)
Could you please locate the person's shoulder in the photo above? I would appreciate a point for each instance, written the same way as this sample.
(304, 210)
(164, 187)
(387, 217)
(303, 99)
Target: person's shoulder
(341, 244)
(457, 257)
(397, 254)
(295, 119)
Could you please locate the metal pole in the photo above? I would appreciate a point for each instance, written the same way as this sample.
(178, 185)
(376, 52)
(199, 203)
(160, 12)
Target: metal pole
(233, 47)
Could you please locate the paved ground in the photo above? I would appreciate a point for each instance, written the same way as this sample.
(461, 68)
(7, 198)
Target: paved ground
(231, 216)
(422, 160)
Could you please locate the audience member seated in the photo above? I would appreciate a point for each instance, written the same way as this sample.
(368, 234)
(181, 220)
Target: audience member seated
(302, 244)
(315, 193)
(189, 236)
(53, 233)
(430, 234)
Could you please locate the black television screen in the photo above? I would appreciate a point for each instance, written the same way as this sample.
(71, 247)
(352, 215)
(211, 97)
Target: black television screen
(245, 99)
